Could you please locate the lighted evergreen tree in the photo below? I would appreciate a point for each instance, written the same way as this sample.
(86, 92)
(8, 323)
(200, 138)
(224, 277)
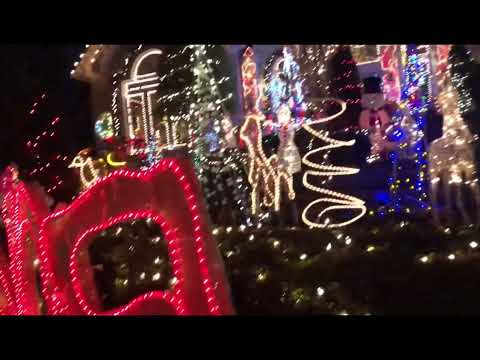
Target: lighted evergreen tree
(210, 102)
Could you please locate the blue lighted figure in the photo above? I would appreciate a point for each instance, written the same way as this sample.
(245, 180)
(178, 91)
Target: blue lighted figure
(286, 86)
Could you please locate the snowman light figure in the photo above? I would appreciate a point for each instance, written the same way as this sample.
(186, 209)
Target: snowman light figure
(375, 119)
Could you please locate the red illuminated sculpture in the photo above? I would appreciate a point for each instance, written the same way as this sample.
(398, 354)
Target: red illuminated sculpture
(167, 195)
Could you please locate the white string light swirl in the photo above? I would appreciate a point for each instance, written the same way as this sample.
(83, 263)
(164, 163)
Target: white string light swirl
(338, 200)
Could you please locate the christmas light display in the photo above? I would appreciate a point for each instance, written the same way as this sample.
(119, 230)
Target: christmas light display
(139, 89)
(267, 176)
(168, 179)
(104, 126)
(208, 108)
(415, 97)
(390, 66)
(112, 162)
(174, 297)
(313, 61)
(451, 157)
(22, 216)
(285, 86)
(288, 152)
(249, 81)
(85, 163)
(7, 297)
(461, 67)
(341, 201)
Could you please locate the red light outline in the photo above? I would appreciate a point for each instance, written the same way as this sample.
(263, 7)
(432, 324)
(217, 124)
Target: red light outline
(57, 301)
(176, 299)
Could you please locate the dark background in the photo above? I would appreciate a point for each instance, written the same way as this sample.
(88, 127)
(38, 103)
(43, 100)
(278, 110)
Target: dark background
(27, 72)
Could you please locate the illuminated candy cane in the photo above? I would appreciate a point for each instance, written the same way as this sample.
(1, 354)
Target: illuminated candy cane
(340, 201)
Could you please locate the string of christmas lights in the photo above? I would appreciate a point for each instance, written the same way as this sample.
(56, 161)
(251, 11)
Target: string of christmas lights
(341, 201)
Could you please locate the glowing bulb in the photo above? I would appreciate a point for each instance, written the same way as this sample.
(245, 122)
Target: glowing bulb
(251, 237)
(473, 244)
(370, 248)
(229, 229)
(303, 256)
(329, 247)
(424, 259)
(348, 240)
(276, 243)
(156, 277)
(451, 257)
(215, 231)
(320, 291)
(142, 276)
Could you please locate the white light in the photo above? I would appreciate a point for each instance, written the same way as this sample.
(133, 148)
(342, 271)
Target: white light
(251, 237)
(264, 173)
(343, 313)
(36, 262)
(242, 227)
(215, 231)
(303, 256)
(276, 243)
(320, 291)
(119, 230)
(230, 253)
(370, 248)
(329, 247)
(229, 229)
(339, 200)
(473, 244)
(156, 277)
(348, 240)
(451, 257)
(142, 276)
(424, 259)
(157, 260)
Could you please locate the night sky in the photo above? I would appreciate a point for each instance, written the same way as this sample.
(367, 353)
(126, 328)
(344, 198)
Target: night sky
(29, 70)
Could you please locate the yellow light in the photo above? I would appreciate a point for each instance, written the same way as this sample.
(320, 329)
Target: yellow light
(266, 176)
(424, 259)
(340, 201)
(370, 248)
(114, 163)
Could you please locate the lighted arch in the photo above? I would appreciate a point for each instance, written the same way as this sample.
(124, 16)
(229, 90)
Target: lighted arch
(139, 60)
(141, 88)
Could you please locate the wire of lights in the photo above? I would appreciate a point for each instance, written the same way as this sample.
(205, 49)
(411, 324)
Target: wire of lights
(340, 201)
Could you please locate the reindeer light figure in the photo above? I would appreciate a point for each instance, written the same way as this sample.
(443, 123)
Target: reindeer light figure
(267, 176)
(451, 157)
